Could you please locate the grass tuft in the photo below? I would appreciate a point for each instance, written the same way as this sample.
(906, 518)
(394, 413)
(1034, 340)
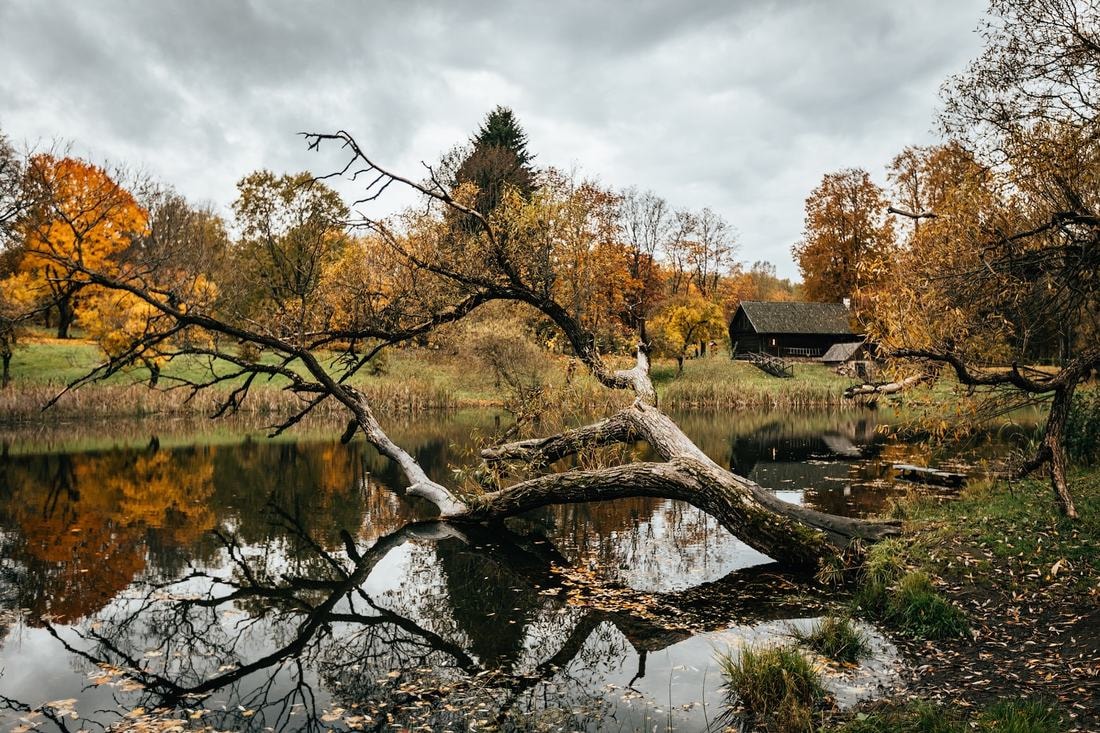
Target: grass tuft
(1021, 716)
(776, 684)
(836, 638)
(906, 599)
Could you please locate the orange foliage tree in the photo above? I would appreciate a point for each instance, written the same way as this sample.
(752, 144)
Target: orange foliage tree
(80, 218)
(846, 229)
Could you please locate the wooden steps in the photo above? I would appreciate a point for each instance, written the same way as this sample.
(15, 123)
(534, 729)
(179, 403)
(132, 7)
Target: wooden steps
(773, 365)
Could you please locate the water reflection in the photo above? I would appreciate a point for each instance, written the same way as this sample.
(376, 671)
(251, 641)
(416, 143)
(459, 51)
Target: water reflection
(262, 583)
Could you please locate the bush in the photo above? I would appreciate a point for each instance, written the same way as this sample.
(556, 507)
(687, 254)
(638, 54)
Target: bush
(835, 638)
(777, 684)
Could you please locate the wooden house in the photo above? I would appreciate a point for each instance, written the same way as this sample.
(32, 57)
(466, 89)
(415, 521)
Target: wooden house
(792, 330)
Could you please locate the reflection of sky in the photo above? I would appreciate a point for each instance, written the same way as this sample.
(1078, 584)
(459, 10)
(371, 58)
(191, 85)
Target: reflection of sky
(651, 545)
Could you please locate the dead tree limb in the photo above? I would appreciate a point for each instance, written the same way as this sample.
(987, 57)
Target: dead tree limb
(859, 390)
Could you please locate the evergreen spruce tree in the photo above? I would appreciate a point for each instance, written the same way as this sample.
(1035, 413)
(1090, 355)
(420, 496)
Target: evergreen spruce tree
(499, 158)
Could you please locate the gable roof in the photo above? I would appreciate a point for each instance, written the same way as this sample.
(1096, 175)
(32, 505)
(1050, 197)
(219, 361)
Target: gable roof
(842, 352)
(823, 318)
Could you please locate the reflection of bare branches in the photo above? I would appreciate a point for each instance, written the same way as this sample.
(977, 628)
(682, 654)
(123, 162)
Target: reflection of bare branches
(180, 644)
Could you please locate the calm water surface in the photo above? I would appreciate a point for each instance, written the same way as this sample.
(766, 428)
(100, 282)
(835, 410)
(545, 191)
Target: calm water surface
(242, 583)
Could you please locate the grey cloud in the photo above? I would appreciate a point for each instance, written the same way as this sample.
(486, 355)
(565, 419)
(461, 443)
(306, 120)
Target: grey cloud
(737, 106)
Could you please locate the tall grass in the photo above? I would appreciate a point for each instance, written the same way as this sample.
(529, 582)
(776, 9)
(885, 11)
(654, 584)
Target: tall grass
(777, 685)
(25, 403)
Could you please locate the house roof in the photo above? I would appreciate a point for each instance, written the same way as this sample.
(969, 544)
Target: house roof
(823, 318)
(841, 352)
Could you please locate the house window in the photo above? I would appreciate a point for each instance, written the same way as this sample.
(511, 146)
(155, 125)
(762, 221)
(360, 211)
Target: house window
(773, 342)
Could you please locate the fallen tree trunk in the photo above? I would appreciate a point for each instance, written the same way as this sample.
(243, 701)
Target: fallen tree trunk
(884, 388)
(788, 533)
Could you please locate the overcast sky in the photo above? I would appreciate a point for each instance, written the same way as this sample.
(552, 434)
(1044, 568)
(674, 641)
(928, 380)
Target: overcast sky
(739, 106)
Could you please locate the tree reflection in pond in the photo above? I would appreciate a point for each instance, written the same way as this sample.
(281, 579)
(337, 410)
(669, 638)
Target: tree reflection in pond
(262, 582)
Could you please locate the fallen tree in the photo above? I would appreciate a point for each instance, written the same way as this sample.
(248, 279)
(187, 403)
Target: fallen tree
(883, 388)
(497, 262)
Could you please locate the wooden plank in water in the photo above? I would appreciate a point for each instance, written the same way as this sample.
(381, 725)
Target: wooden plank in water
(926, 475)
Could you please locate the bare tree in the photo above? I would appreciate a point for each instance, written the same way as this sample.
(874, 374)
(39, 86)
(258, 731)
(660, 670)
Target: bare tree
(646, 223)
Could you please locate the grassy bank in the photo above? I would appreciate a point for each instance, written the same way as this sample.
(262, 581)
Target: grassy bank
(410, 380)
(1027, 581)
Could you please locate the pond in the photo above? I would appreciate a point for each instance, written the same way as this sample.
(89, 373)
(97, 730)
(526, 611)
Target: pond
(210, 575)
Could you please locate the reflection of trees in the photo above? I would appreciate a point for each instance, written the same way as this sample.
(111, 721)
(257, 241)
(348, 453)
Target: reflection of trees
(82, 522)
(267, 635)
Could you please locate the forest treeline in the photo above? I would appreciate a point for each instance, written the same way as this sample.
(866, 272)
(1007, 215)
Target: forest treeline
(623, 261)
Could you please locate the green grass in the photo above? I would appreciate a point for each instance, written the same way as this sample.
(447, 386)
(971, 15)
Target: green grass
(718, 381)
(905, 599)
(1011, 533)
(1005, 716)
(836, 638)
(776, 684)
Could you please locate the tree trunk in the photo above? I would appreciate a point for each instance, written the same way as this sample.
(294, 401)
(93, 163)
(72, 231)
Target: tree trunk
(5, 379)
(1054, 446)
(788, 533)
(888, 388)
(154, 371)
(64, 316)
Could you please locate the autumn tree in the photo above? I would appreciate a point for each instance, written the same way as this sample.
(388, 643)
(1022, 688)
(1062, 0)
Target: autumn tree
(80, 217)
(292, 230)
(1011, 250)
(685, 321)
(845, 229)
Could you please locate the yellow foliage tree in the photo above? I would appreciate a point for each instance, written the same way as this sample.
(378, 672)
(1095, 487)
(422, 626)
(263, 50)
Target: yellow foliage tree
(685, 320)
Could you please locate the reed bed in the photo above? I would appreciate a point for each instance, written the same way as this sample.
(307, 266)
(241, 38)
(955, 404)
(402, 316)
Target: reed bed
(726, 395)
(25, 403)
